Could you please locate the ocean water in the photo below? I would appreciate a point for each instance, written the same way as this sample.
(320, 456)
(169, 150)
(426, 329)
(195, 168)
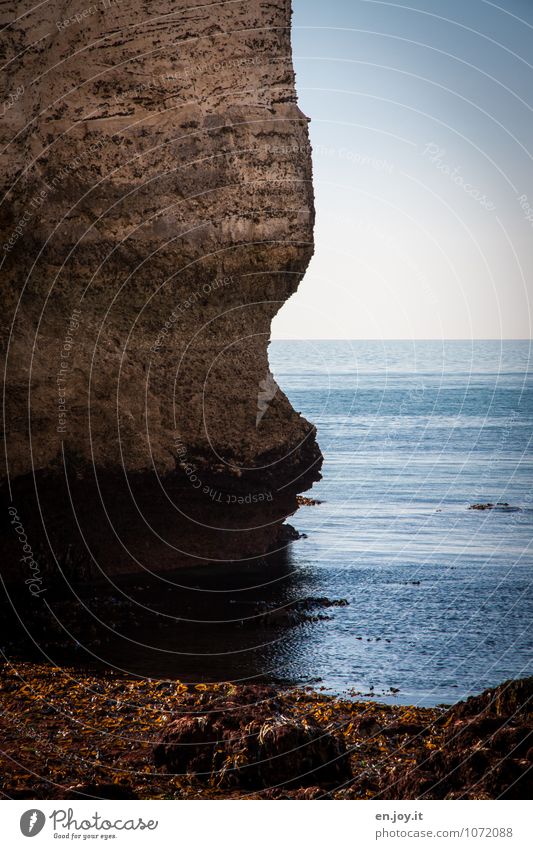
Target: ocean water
(439, 596)
(412, 434)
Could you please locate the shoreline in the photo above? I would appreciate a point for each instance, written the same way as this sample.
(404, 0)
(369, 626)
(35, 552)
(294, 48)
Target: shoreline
(93, 631)
(68, 734)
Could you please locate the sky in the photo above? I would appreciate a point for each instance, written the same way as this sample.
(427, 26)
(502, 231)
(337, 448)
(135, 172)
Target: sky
(422, 133)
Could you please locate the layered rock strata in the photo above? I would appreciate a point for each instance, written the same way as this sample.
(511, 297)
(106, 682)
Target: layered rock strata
(157, 213)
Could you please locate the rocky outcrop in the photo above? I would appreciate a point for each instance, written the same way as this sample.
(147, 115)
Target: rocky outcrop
(244, 740)
(486, 751)
(158, 212)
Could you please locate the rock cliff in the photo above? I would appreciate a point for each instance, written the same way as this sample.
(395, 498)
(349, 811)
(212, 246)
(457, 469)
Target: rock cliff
(157, 212)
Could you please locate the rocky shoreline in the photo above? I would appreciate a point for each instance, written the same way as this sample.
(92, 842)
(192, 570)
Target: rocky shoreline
(69, 734)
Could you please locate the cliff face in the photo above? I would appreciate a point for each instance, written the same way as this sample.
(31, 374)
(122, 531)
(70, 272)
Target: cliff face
(158, 212)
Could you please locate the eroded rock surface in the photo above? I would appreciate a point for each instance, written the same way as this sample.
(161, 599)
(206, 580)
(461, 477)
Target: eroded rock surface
(158, 212)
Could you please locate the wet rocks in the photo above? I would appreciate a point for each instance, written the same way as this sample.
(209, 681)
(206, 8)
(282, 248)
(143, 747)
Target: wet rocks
(399, 729)
(222, 741)
(303, 610)
(501, 506)
(245, 740)
(511, 699)
(325, 602)
(486, 751)
(288, 533)
(367, 727)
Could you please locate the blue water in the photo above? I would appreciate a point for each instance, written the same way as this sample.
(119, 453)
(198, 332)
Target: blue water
(413, 433)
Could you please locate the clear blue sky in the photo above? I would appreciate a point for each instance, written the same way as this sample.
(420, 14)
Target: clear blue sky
(422, 132)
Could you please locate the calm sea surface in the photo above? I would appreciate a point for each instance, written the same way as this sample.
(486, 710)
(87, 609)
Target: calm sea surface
(440, 601)
(413, 433)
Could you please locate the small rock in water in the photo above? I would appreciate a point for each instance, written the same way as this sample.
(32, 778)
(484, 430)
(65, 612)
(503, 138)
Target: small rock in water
(307, 502)
(302, 610)
(499, 505)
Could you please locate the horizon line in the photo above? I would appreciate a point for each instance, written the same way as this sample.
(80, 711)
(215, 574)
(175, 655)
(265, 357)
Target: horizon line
(400, 339)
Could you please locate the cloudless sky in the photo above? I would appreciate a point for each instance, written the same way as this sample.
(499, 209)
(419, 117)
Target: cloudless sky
(422, 132)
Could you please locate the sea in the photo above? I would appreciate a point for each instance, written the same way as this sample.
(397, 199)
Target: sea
(439, 601)
(413, 433)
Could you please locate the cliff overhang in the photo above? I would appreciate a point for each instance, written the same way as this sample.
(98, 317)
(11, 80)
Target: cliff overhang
(158, 213)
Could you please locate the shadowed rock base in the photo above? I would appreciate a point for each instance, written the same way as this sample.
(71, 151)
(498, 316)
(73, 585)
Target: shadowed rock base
(112, 524)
